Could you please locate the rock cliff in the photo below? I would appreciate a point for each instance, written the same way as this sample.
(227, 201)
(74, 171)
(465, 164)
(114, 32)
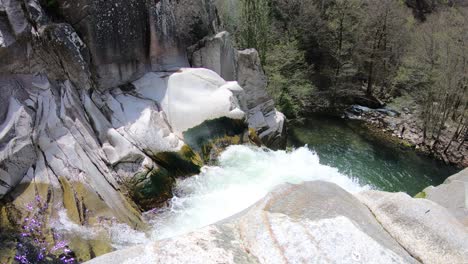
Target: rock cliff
(99, 111)
(218, 54)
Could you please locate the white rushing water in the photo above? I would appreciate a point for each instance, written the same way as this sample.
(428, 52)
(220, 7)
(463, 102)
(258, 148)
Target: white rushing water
(243, 176)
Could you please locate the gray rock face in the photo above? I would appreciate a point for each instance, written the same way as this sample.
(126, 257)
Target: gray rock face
(79, 134)
(41, 46)
(117, 35)
(52, 142)
(17, 152)
(81, 104)
(218, 54)
(128, 38)
(119, 40)
(91, 93)
(453, 195)
(428, 231)
(314, 222)
(78, 151)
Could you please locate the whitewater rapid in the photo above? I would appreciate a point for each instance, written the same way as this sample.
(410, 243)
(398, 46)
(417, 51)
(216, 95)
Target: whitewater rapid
(244, 175)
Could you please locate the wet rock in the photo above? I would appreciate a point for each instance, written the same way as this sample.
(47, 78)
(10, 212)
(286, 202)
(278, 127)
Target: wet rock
(357, 110)
(388, 112)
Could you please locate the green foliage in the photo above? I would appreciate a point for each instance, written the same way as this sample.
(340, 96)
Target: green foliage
(332, 53)
(348, 43)
(381, 42)
(288, 78)
(412, 76)
(254, 27)
(229, 12)
(436, 72)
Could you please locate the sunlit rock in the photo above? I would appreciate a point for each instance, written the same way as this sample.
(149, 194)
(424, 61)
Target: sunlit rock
(90, 153)
(314, 222)
(426, 230)
(218, 54)
(453, 195)
(190, 96)
(17, 152)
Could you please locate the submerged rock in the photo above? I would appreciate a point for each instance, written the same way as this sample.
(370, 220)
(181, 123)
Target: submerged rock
(314, 222)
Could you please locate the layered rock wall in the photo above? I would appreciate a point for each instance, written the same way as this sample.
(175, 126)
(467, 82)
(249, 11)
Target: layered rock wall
(95, 105)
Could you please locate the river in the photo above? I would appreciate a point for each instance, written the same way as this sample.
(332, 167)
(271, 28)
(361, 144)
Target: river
(322, 149)
(355, 152)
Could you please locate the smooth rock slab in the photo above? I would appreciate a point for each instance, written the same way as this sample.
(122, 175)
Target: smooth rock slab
(314, 222)
(425, 229)
(189, 96)
(453, 195)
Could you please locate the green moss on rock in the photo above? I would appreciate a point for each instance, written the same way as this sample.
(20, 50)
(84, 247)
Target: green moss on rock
(210, 130)
(152, 188)
(421, 195)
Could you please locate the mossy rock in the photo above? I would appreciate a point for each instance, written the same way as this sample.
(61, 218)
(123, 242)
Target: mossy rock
(406, 144)
(253, 137)
(89, 248)
(84, 207)
(150, 189)
(421, 195)
(211, 130)
(8, 243)
(182, 163)
(153, 188)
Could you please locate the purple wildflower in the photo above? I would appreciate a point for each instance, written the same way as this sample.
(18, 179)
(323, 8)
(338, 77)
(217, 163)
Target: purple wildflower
(33, 246)
(22, 259)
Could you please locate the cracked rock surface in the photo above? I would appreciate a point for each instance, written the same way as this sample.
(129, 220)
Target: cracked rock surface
(91, 93)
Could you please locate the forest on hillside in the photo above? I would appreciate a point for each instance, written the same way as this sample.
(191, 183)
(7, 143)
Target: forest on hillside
(325, 55)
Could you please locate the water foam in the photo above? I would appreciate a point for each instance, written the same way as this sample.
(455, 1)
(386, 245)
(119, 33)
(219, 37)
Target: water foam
(243, 176)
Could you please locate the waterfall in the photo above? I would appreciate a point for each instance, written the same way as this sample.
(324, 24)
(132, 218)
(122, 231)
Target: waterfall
(243, 176)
